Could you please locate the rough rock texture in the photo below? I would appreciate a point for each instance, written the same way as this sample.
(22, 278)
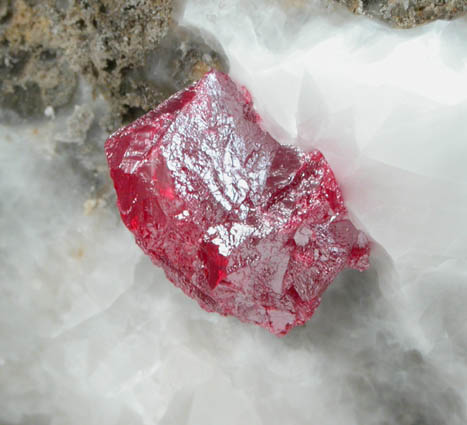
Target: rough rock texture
(242, 224)
(87, 67)
(109, 41)
(33, 72)
(129, 51)
(407, 13)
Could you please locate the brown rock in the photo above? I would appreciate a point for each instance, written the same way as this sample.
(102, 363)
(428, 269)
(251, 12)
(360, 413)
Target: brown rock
(407, 13)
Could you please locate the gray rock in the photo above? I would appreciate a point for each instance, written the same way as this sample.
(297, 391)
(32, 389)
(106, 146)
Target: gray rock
(34, 73)
(407, 13)
(130, 51)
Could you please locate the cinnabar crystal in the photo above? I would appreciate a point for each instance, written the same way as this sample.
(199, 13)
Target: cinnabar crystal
(244, 225)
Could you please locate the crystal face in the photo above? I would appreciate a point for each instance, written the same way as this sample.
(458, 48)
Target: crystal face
(244, 225)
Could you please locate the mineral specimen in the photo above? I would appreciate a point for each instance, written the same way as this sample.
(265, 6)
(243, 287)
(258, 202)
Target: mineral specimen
(244, 225)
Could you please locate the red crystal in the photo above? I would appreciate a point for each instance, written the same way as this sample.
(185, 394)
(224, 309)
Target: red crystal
(242, 224)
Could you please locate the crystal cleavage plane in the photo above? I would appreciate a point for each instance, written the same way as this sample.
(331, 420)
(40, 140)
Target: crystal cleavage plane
(244, 225)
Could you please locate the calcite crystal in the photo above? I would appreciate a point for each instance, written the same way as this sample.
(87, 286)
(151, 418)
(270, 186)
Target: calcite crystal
(244, 225)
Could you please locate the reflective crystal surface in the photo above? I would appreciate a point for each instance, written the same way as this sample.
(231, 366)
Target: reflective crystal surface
(244, 225)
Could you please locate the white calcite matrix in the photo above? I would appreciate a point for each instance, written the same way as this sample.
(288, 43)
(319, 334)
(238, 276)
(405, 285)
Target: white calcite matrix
(92, 333)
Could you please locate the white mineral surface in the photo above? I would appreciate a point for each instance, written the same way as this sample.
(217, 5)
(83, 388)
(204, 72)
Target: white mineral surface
(92, 333)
